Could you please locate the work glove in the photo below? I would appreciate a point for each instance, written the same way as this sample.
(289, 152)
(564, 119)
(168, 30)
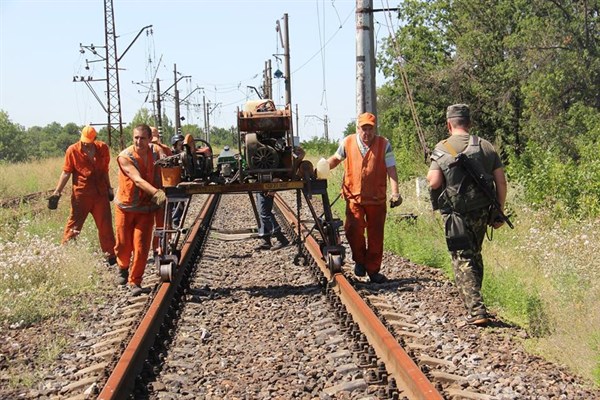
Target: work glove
(159, 198)
(111, 194)
(395, 200)
(53, 201)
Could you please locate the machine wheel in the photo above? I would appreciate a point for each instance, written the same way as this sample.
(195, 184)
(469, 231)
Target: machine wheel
(334, 263)
(167, 271)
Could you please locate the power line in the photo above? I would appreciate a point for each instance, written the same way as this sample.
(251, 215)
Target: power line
(407, 90)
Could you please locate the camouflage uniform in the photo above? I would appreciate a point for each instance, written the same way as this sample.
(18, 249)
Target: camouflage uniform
(461, 197)
(468, 264)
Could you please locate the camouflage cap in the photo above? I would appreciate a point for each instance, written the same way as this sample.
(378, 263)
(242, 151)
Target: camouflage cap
(458, 111)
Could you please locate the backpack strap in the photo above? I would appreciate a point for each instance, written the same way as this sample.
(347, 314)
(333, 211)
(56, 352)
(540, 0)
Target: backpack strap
(449, 147)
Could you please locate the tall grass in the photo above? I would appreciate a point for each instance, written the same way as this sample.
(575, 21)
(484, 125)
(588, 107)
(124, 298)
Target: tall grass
(21, 179)
(37, 275)
(544, 275)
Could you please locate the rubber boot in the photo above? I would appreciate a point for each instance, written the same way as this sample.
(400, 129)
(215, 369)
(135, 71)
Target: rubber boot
(280, 241)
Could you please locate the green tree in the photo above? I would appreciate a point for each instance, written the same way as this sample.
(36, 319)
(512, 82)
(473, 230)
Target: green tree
(11, 137)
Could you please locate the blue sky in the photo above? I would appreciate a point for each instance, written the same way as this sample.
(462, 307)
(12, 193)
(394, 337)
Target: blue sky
(221, 44)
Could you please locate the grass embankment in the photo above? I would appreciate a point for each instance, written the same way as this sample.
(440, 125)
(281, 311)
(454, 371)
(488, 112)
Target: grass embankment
(37, 275)
(544, 275)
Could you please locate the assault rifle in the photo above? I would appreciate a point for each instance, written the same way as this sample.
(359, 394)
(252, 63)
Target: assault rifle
(462, 160)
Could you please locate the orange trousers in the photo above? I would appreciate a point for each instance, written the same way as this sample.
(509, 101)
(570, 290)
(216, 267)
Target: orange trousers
(134, 237)
(81, 207)
(371, 218)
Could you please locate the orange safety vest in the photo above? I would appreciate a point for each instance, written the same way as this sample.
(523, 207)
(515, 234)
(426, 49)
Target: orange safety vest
(131, 198)
(365, 179)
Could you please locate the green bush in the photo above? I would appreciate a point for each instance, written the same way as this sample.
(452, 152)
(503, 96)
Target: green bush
(567, 187)
(319, 147)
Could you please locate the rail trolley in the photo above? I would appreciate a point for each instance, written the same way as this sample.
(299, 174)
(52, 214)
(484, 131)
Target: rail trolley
(267, 161)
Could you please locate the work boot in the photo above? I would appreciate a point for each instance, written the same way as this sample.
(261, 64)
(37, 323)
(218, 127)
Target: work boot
(111, 261)
(359, 270)
(280, 241)
(122, 276)
(378, 277)
(264, 243)
(136, 290)
(481, 318)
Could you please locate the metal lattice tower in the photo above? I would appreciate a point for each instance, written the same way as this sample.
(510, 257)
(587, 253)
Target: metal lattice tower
(113, 92)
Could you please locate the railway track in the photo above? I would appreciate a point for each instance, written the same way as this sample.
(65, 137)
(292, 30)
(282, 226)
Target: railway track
(236, 323)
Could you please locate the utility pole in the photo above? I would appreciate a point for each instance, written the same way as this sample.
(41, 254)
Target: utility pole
(285, 42)
(366, 95)
(176, 97)
(205, 114)
(187, 103)
(158, 107)
(207, 111)
(111, 59)
(177, 120)
(113, 91)
(297, 125)
(325, 121)
(267, 81)
(286, 62)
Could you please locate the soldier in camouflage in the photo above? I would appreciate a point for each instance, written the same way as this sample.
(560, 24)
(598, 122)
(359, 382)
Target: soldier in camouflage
(464, 206)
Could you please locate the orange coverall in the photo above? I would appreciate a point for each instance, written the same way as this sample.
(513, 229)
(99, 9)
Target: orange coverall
(90, 194)
(134, 215)
(364, 188)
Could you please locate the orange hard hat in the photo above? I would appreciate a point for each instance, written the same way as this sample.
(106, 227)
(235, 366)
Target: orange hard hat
(88, 134)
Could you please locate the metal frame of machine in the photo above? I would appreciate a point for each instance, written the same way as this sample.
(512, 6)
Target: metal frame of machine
(267, 162)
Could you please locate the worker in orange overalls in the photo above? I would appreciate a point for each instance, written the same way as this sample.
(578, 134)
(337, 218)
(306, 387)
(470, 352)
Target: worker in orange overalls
(138, 197)
(87, 163)
(159, 217)
(368, 162)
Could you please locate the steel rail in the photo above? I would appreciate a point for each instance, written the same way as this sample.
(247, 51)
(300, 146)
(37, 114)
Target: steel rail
(121, 381)
(409, 377)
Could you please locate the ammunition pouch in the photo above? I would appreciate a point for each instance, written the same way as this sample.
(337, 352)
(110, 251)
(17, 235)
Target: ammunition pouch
(457, 235)
(468, 197)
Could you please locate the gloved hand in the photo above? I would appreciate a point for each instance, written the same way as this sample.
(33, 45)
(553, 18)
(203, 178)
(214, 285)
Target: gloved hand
(395, 200)
(53, 201)
(111, 194)
(159, 198)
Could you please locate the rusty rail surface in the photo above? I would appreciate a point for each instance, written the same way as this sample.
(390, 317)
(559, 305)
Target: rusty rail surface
(121, 382)
(408, 376)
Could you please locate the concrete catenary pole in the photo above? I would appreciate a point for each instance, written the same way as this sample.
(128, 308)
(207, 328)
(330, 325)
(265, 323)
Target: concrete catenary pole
(269, 80)
(177, 118)
(205, 118)
(366, 95)
(288, 71)
(158, 107)
(286, 60)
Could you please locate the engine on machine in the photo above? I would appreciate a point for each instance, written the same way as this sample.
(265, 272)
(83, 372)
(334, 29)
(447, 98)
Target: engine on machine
(267, 161)
(266, 142)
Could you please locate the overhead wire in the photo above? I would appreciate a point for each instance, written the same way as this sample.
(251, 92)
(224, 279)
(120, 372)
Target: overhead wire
(322, 50)
(405, 83)
(325, 44)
